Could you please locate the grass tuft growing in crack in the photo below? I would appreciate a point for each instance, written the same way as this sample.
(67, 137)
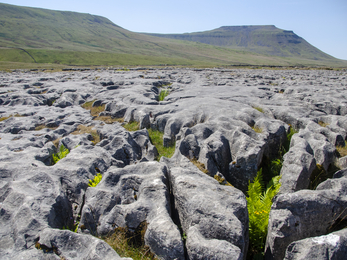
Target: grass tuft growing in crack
(7, 117)
(94, 111)
(257, 129)
(200, 165)
(323, 124)
(342, 150)
(109, 119)
(163, 93)
(130, 244)
(82, 129)
(157, 140)
(132, 126)
(259, 109)
(202, 168)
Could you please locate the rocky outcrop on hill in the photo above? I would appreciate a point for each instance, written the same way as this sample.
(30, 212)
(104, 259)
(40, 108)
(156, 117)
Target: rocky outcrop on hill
(230, 122)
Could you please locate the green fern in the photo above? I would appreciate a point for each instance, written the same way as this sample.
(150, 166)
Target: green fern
(95, 181)
(276, 166)
(259, 203)
(63, 151)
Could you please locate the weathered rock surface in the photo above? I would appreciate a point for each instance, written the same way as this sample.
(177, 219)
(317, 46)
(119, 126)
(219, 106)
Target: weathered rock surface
(132, 195)
(332, 246)
(232, 121)
(214, 217)
(306, 213)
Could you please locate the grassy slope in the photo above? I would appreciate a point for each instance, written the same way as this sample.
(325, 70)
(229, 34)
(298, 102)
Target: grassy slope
(83, 39)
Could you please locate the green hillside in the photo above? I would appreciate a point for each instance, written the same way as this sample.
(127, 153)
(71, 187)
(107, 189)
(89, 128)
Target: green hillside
(265, 39)
(29, 35)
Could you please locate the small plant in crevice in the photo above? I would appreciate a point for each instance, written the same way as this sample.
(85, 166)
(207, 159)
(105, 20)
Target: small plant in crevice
(156, 138)
(184, 236)
(200, 165)
(63, 151)
(74, 228)
(221, 180)
(259, 109)
(286, 144)
(323, 124)
(163, 93)
(341, 150)
(4, 118)
(56, 142)
(40, 127)
(259, 201)
(258, 130)
(94, 110)
(95, 181)
(130, 244)
(109, 119)
(259, 198)
(320, 175)
(82, 129)
(7, 117)
(132, 126)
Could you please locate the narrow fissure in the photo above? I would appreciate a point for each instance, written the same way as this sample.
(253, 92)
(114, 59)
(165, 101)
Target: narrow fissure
(175, 216)
(320, 175)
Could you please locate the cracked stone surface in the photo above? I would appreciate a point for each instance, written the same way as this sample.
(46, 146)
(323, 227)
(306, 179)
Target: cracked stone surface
(232, 121)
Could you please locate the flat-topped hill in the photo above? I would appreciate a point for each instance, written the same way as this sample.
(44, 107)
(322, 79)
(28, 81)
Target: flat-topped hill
(266, 39)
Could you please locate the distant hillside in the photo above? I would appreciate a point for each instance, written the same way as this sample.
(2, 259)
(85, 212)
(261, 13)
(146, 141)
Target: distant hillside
(265, 39)
(45, 36)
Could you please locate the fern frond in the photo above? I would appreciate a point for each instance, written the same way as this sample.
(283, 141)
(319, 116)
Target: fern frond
(95, 181)
(63, 151)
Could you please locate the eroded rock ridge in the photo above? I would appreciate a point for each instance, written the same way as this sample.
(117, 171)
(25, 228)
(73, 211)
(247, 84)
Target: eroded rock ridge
(231, 121)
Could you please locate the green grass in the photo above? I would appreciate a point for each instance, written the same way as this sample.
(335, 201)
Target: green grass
(157, 140)
(259, 109)
(200, 165)
(109, 119)
(82, 129)
(130, 244)
(94, 111)
(132, 126)
(4, 118)
(286, 144)
(163, 93)
(257, 129)
(342, 150)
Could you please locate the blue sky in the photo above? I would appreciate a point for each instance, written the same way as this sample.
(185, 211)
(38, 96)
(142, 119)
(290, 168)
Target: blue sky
(323, 23)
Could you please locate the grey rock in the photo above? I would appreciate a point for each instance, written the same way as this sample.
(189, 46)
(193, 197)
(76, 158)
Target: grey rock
(298, 165)
(129, 196)
(208, 115)
(332, 246)
(212, 215)
(69, 245)
(305, 213)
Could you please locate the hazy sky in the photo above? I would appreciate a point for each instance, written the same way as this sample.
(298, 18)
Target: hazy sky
(323, 23)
